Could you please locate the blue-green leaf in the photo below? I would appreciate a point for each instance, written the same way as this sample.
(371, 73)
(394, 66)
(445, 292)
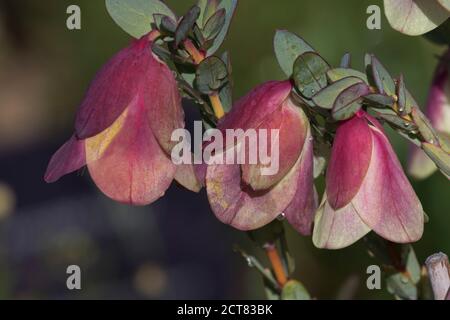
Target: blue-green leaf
(288, 47)
(136, 16)
(230, 8)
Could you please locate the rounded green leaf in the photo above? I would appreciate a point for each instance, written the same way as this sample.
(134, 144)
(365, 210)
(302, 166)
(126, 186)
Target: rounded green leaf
(349, 101)
(415, 17)
(211, 74)
(439, 157)
(294, 290)
(288, 47)
(383, 79)
(341, 73)
(310, 74)
(136, 16)
(326, 97)
(230, 7)
(377, 100)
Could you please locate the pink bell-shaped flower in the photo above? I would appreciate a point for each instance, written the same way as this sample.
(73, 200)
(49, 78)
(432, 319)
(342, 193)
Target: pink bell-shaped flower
(239, 194)
(123, 128)
(366, 189)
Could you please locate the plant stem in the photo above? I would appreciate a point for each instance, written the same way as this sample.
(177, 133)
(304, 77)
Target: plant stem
(198, 58)
(277, 265)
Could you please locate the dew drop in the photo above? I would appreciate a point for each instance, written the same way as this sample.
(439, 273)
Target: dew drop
(281, 217)
(250, 262)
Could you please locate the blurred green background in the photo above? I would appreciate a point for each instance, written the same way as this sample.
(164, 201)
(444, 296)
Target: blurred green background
(174, 248)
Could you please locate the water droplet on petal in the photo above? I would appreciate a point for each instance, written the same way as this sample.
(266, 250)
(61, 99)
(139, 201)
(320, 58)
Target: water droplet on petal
(281, 217)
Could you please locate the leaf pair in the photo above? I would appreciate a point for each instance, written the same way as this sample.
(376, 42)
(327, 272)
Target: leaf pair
(210, 19)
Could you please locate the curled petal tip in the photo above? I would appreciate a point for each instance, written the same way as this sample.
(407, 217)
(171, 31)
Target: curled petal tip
(69, 158)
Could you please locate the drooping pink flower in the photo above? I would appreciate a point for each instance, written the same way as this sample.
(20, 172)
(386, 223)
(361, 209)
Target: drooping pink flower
(239, 194)
(123, 128)
(438, 111)
(366, 189)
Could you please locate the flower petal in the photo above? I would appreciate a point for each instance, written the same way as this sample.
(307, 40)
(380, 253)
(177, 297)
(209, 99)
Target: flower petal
(438, 105)
(300, 212)
(420, 166)
(337, 229)
(133, 71)
(251, 110)
(241, 207)
(186, 176)
(69, 158)
(291, 123)
(126, 162)
(386, 201)
(163, 100)
(113, 89)
(350, 159)
(414, 17)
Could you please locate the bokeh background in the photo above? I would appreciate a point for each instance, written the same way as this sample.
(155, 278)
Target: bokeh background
(174, 248)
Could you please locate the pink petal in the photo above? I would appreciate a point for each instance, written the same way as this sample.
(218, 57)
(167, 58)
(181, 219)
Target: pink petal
(134, 70)
(386, 201)
(238, 205)
(300, 212)
(337, 229)
(127, 163)
(69, 158)
(251, 110)
(438, 106)
(350, 158)
(163, 100)
(186, 176)
(292, 123)
(420, 166)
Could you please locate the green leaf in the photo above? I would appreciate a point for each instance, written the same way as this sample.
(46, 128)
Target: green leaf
(397, 122)
(402, 95)
(439, 157)
(211, 74)
(165, 24)
(415, 17)
(136, 16)
(294, 290)
(208, 8)
(230, 7)
(226, 93)
(349, 101)
(326, 97)
(288, 47)
(341, 73)
(412, 264)
(379, 100)
(383, 79)
(402, 287)
(186, 25)
(310, 74)
(444, 141)
(214, 25)
(425, 128)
